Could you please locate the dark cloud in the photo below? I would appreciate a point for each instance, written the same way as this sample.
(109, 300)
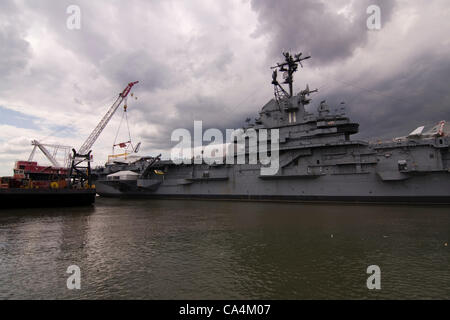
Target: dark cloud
(414, 96)
(15, 51)
(312, 26)
(211, 111)
(205, 56)
(406, 103)
(138, 65)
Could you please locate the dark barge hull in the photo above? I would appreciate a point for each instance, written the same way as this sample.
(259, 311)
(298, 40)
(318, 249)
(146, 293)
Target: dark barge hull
(39, 198)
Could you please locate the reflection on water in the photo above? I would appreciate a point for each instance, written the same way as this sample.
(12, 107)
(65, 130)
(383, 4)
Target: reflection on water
(225, 250)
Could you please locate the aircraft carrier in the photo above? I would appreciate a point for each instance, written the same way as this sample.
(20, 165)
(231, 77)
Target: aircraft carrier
(318, 161)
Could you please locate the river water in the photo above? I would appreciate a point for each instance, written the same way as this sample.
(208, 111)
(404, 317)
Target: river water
(158, 249)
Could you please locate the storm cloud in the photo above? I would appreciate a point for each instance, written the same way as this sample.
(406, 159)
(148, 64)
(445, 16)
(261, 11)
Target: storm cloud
(328, 31)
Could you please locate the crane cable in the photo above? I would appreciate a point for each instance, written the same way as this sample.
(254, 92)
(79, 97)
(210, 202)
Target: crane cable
(124, 115)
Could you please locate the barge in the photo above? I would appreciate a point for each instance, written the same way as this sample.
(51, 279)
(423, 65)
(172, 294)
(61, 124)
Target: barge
(38, 186)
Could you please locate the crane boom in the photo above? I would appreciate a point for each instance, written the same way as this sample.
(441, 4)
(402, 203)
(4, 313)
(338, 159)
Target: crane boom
(44, 150)
(102, 124)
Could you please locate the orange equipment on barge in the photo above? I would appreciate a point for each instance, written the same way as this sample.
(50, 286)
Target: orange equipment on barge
(29, 175)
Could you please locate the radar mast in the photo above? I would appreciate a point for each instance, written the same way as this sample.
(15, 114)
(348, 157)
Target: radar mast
(288, 67)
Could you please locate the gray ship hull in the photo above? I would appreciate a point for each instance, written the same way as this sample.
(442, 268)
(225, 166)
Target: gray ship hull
(369, 187)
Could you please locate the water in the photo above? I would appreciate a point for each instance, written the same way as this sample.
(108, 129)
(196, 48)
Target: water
(128, 249)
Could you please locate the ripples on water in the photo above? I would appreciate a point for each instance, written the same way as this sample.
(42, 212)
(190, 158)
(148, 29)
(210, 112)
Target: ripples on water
(130, 249)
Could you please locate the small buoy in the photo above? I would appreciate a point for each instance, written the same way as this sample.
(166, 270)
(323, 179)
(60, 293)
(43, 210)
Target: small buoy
(332, 236)
(446, 244)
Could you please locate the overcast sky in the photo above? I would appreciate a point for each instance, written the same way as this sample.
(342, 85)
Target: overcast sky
(209, 60)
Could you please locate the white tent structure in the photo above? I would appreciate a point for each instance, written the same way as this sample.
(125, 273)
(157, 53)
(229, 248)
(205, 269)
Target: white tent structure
(123, 175)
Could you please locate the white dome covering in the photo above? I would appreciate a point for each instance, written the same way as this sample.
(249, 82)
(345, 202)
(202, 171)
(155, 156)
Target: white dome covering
(123, 175)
